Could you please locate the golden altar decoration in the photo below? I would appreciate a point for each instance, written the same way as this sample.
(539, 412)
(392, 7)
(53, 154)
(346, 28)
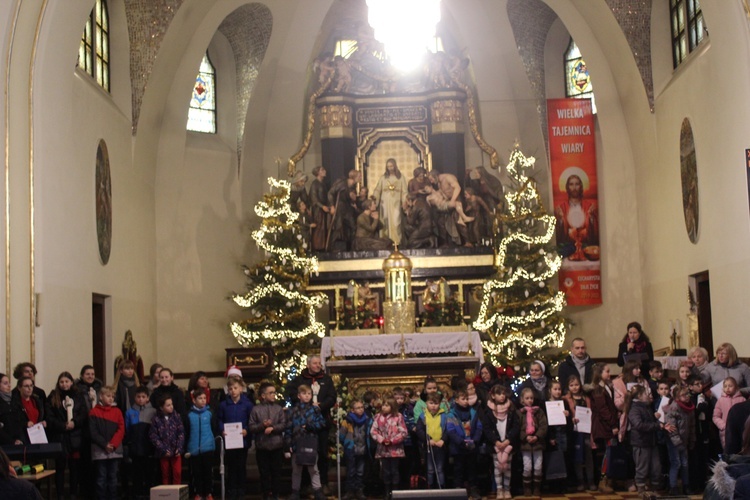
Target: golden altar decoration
(398, 308)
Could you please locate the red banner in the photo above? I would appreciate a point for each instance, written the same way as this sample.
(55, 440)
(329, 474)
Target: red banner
(574, 185)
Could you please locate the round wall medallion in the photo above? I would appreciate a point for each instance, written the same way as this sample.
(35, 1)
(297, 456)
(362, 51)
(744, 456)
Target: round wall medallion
(689, 176)
(103, 202)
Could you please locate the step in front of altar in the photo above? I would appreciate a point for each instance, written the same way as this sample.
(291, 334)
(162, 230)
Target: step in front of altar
(382, 375)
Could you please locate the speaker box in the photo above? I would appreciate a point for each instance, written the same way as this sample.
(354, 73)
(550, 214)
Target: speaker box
(456, 494)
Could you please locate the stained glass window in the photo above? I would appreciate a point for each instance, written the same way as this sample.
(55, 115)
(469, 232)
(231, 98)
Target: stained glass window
(577, 78)
(345, 48)
(93, 52)
(688, 28)
(202, 112)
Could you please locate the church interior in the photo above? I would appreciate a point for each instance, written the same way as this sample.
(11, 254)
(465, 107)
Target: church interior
(118, 218)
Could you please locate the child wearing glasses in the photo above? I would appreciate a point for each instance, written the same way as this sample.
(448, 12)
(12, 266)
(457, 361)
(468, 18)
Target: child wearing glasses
(267, 424)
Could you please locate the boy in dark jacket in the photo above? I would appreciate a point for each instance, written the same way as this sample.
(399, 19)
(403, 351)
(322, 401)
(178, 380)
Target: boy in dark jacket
(200, 444)
(354, 436)
(107, 430)
(137, 424)
(233, 410)
(304, 419)
(644, 427)
(703, 454)
(267, 423)
(464, 432)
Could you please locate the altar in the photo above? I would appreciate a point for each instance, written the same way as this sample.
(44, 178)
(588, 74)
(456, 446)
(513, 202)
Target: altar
(439, 355)
(414, 344)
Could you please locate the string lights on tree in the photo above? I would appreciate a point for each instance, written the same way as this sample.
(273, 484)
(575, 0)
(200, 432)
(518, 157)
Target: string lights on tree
(281, 312)
(520, 311)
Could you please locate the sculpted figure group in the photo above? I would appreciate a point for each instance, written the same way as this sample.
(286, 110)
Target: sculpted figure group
(430, 210)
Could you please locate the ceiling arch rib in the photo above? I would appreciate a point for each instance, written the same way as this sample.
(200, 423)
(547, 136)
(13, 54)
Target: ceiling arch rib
(248, 30)
(148, 21)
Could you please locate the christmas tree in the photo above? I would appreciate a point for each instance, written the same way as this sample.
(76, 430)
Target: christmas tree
(520, 311)
(282, 314)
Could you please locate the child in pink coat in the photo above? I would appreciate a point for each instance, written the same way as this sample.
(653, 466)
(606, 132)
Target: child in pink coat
(730, 397)
(389, 431)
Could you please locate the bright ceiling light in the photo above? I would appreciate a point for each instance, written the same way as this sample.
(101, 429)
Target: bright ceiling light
(405, 27)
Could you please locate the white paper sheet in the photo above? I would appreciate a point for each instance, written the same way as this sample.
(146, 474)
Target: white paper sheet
(660, 410)
(718, 389)
(37, 434)
(583, 415)
(630, 385)
(555, 415)
(233, 439)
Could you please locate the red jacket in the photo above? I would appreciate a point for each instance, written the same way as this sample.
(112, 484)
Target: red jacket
(106, 426)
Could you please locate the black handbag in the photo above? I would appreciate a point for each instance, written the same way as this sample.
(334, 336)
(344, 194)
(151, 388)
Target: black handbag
(306, 452)
(616, 460)
(555, 462)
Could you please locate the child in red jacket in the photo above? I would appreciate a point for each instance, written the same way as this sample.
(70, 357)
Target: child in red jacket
(107, 429)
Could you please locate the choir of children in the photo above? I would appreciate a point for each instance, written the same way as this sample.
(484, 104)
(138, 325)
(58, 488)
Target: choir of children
(490, 441)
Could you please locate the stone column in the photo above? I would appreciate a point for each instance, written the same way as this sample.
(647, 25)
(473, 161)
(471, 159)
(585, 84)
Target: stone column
(338, 148)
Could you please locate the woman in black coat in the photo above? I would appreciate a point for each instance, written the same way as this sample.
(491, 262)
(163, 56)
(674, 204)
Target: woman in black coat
(487, 380)
(636, 343)
(7, 423)
(26, 409)
(68, 432)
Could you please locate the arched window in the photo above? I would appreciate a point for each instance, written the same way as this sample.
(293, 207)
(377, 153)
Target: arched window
(577, 79)
(93, 53)
(688, 28)
(202, 112)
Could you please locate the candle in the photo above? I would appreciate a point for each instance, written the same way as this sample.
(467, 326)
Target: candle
(69, 407)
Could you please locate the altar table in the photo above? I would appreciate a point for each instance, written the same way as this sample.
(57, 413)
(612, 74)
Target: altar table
(390, 344)
(670, 362)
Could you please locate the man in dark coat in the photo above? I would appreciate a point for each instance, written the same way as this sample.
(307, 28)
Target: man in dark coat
(341, 197)
(324, 397)
(577, 363)
(418, 231)
(320, 209)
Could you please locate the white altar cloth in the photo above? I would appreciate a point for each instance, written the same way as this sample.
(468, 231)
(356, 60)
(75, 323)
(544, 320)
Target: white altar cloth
(671, 362)
(414, 343)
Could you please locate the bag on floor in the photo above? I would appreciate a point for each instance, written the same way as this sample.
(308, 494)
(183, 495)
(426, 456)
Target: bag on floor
(306, 452)
(616, 460)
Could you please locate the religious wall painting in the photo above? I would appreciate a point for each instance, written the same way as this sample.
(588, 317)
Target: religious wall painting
(689, 178)
(103, 202)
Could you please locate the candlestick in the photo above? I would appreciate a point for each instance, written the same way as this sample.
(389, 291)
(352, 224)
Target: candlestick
(69, 407)
(470, 351)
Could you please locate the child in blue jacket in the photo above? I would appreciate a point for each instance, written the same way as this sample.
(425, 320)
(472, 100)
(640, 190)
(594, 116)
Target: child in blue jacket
(201, 445)
(354, 436)
(464, 432)
(304, 419)
(140, 450)
(236, 408)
